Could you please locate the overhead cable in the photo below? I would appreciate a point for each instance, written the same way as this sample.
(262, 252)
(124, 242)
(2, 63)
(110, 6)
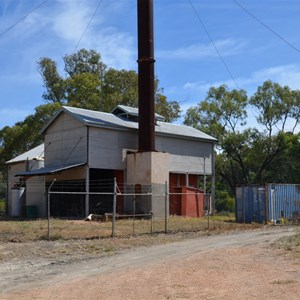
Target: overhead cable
(218, 52)
(266, 26)
(87, 26)
(213, 44)
(23, 18)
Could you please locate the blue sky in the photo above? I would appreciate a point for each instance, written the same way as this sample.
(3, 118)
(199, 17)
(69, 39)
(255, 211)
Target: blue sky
(186, 62)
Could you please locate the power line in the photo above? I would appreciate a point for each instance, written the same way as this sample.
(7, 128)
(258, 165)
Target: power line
(218, 52)
(23, 18)
(266, 26)
(214, 45)
(87, 26)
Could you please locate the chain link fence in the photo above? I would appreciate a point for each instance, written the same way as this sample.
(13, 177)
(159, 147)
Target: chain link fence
(104, 209)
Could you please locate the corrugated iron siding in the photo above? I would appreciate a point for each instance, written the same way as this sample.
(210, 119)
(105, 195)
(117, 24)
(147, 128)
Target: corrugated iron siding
(283, 200)
(251, 204)
(270, 202)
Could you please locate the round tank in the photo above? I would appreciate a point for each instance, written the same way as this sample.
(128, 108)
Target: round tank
(17, 196)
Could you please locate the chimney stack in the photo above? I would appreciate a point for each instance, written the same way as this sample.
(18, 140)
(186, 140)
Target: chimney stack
(146, 76)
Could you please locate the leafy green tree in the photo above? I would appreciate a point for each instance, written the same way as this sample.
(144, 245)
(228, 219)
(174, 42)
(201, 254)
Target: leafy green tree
(224, 202)
(84, 61)
(83, 91)
(53, 82)
(219, 115)
(248, 155)
(89, 84)
(24, 135)
(221, 111)
(276, 104)
(285, 167)
(294, 112)
(119, 87)
(169, 109)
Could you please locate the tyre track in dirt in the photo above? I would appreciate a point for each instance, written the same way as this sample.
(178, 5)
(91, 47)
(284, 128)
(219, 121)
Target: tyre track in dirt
(21, 276)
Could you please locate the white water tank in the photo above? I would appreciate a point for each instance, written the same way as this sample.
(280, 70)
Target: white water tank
(17, 201)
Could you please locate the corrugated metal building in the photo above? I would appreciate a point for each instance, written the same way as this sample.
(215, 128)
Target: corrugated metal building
(17, 196)
(271, 202)
(89, 146)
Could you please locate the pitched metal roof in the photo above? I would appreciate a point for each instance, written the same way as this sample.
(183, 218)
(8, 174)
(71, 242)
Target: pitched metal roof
(109, 120)
(35, 153)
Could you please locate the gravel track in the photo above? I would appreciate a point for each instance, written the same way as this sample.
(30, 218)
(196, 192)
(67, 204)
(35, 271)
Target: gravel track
(229, 266)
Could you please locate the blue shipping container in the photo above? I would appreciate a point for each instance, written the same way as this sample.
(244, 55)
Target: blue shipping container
(251, 204)
(283, 200)
(267, 203)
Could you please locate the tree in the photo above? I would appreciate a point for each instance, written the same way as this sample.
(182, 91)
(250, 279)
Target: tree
(221, 111)
(53, 82)
(294, 112)
(169, 109)
(285, 167)
(248, 155)
(276, 104)
(84, 61)
(89, 84)
(24, 135)
(119, 87)
(83, 90)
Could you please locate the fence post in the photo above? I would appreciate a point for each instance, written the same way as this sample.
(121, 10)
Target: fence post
(133, 219)
(166, 207)
(244, 206)
(273, 205)
(151, 220)
(208, 210)
(114, 208)
(48, 205)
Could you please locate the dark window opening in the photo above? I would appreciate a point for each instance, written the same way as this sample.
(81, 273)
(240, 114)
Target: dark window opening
(101, 181)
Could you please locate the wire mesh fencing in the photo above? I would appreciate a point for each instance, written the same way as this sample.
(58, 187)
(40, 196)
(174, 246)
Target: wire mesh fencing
(73, 210)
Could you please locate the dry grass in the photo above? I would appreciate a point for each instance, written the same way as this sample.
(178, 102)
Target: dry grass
(287, 281)
(26, 231)
(77, 239)
(290, 244)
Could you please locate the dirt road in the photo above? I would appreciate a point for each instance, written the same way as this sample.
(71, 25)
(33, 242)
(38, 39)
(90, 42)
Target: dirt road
(232, 266)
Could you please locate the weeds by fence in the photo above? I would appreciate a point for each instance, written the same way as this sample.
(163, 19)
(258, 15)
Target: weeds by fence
(119, 211)
(35, 230)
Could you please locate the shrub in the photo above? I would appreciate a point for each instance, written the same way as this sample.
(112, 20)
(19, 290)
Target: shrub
(2, 205)
(224, 202)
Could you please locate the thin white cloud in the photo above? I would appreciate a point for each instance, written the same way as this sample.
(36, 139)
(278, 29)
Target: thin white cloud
(202, 86)
(54, 30)
(285, 75)
(71, 20)
(226, 47)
